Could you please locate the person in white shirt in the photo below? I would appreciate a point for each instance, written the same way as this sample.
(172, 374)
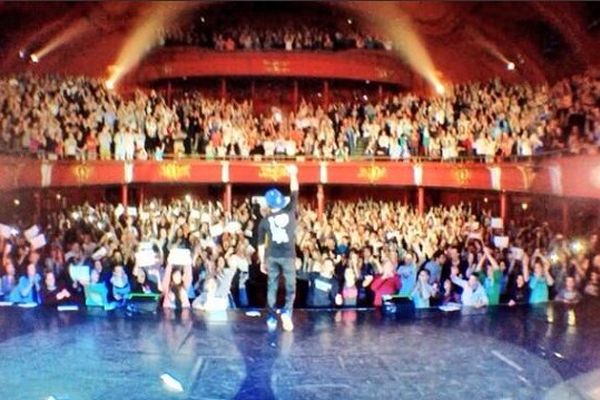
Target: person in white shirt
(105, 140)
(70, 147)
(119, 140)
(473, 294)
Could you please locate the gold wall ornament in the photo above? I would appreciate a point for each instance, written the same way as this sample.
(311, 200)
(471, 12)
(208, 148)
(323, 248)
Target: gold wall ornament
(462, 175)
(174, 171)
(382, 73)
(82, 172)
(528, 173)
(276, 67)
(273, 172)
(372, 173)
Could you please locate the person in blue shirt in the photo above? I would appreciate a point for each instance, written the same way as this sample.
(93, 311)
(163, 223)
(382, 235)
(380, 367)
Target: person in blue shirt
(422, 291)
(541, 279)
(408, 275)
(28, 288)
(434, 267)
(120, 284)
(8, 280)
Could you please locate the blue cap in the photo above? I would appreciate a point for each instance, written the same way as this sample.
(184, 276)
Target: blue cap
(274, 198)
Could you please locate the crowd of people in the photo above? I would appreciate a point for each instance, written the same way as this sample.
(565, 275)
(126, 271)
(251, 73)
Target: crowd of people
(78, 118)
(283, 38)
(357, 254)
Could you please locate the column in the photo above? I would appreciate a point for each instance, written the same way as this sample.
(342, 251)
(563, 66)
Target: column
(295, 95)
(421, 200)
(320, 200)
(124, 195)
(503, 208)
(169, 93)
(380, 92)
(405, 197)
(565, 216)
(223, 89)
(37, 200)
(227, 197)
(141, 195)
(325, 94)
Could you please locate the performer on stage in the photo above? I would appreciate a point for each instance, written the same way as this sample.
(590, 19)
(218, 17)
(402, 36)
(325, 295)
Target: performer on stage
(277, 249)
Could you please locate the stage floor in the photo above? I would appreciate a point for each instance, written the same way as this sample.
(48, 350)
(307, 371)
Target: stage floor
(499, 353)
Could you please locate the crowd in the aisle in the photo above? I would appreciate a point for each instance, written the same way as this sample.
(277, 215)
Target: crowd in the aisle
(79, 118)
(358, 254)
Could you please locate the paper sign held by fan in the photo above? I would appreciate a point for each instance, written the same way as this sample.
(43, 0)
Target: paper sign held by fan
(501, 242)
(497, 223)
(31, 233)
(180, 257)
(99, 254)
(145, 258)
(216, 230)
(38, 242)
(5, 231)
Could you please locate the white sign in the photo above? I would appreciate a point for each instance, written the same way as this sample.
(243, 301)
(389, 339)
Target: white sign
(31, 233)
(38, 242)
(180, 257)
(497, 223)
(501, 242)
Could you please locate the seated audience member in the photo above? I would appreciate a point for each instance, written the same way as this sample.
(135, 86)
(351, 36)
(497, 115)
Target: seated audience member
(142, 283)
(28, 288)
(569, 294)
(519, 293)
(473, 294)
(386, 283)
(51, 293)
(541, 279)
(209, 300)
(8, 281)
(423, 291)
(175, 284)
(96, 292)
(349, 290)
(120, 284)
(448, 293)
(323, 287)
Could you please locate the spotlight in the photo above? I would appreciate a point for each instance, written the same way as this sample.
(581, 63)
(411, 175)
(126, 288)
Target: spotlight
(319, 94)
(16, 202)
(171, 383)
(110, 84)
(22, 54)
(349, 21)
(202, 20)
(439, 89)
(58, 196)
(188, 198)
(577, 246)
(510, 66)
(365, 98)
(485, 199)
(367, 81)
(524, 206)
(34, 58)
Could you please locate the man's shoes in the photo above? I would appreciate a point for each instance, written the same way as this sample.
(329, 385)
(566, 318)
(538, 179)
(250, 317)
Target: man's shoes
(287, 323)
(271, 324)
